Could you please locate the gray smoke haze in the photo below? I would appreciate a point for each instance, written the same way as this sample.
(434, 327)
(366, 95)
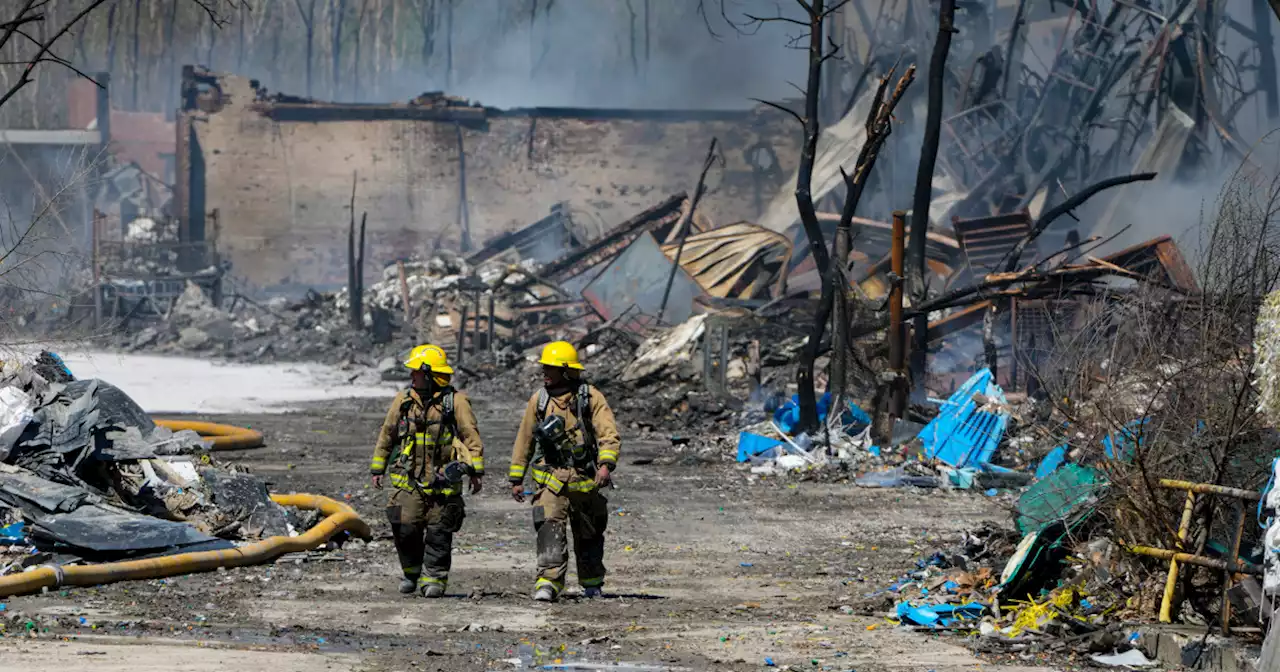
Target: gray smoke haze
(579, 54)
(588, 61)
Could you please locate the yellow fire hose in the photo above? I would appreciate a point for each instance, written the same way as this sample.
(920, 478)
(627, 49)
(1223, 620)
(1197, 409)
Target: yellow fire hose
(224, 437)
(339, 518)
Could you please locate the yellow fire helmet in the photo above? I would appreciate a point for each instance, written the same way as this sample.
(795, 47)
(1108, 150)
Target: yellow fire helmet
(429, 357)
(562, 354)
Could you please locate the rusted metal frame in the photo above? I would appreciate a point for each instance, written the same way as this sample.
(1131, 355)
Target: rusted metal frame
(897, 329)
(1231, 566)
(1163, 252)
(1210, 489)
(1229, 578)
(1240, 566)
(1171, 581)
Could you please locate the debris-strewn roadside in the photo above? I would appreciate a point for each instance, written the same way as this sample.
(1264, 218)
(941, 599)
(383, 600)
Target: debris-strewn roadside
(87, 476)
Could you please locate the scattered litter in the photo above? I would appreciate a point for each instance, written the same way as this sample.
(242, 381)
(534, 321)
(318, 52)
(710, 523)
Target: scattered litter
(1130, 658)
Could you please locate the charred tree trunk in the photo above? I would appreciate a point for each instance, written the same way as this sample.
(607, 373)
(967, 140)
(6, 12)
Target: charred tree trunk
(1267, 77)
(647, 40)
(924, 191)
(808, 214)
(170, 55)
(357, 300)
(632, 39)
(337, 14)
(111, 38)
(427, 21)
(353, 277)
(240, 41)
(137, 64)
(355, 56)
(309, 25)
(835, 286)
(448, 44)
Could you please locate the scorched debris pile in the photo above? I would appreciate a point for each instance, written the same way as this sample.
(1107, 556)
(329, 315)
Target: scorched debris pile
(87, 476)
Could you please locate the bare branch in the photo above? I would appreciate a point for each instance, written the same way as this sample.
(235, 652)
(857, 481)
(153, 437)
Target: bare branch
(1067, 206)
(776, 106)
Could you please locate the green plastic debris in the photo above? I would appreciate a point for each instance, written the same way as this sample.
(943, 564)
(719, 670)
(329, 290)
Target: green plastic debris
(1068, 495)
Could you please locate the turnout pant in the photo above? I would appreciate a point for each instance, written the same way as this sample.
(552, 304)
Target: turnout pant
(423, 527)
(587, 515)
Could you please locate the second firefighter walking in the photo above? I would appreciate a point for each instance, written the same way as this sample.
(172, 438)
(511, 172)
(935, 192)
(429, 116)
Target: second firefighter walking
(569, 435)
(429, 445)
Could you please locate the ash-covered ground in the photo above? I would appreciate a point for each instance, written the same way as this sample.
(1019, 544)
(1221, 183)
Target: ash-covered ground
(710, 569)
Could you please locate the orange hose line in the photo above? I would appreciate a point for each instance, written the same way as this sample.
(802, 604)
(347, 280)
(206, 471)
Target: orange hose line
(224, 437)
(339, 518)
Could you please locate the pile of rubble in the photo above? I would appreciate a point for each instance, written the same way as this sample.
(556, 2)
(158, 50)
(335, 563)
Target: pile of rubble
(87, 475)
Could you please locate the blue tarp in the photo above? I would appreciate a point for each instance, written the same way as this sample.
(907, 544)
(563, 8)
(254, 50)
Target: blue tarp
(751, 445)
(961, 435)
(788, 415)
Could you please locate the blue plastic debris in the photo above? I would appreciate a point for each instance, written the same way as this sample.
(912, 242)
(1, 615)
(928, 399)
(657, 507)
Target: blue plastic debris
(751, 445)
(992, 492)
(951, 586)
(1052, 461)
(768, 662)
(61, 364)
(745, 564)
(939, 614)
(961, 478)
(788, 415)
(1130, 439)
(12, 534)
(961, 435)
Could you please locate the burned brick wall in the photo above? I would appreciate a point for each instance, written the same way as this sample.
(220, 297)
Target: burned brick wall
(282, 188)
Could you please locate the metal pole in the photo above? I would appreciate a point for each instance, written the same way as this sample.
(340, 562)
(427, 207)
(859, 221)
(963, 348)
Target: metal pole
(1013, 345)
(1171, 582)
(723, 373)
(462, 335)
(97, 275)
(475, 323)
(706, 358)
(897, 334)
(492, 346)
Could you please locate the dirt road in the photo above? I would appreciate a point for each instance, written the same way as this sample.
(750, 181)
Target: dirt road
(709, 570)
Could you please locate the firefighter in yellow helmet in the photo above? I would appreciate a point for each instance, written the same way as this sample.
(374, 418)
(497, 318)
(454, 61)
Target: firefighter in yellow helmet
(428, 445)
(569, 435)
